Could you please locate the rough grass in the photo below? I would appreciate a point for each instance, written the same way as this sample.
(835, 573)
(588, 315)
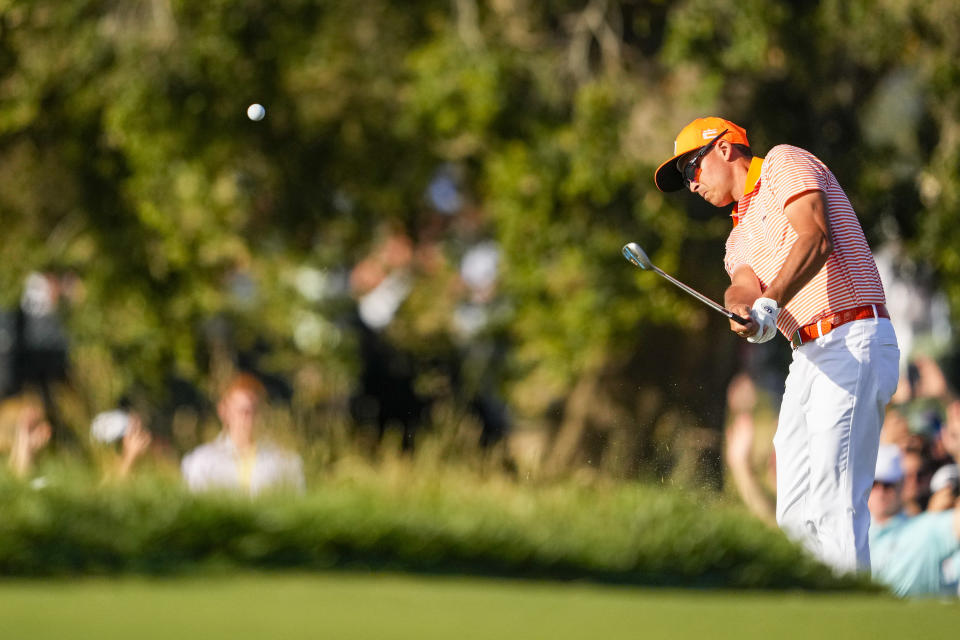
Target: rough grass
(401, 519)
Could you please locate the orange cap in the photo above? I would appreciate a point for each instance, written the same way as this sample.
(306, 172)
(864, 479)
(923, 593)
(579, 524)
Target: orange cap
(693, 136)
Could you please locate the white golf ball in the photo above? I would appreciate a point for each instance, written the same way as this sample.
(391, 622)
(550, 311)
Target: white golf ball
(256, 111)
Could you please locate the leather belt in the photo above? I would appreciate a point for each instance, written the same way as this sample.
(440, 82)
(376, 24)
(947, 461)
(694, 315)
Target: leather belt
(825, 325)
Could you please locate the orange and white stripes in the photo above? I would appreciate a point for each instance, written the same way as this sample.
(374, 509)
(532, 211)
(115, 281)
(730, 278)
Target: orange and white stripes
(763, 238)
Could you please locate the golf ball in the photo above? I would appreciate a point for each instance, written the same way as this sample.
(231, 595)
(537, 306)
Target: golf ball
(256, 111)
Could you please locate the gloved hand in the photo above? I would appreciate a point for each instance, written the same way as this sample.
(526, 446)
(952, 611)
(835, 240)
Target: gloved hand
(764, 313)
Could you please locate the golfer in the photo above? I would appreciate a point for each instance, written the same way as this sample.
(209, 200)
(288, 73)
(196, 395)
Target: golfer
(798, 262)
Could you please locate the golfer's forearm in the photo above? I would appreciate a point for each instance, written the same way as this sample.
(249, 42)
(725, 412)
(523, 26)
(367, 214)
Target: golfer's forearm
(735, 295)
(744, 288)
(807, 256)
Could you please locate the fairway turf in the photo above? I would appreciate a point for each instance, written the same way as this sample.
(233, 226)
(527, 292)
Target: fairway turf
(382, 606)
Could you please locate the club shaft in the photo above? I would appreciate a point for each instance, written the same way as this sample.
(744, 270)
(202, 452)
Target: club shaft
(702, 298)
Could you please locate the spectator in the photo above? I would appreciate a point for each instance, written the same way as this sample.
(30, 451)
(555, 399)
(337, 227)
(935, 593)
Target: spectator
(944, 488)
(34, 358)
(238, 460)
(908, 554)
(136, 441)
(481, 348)
(126, 427)
(914, 556)
(921, 426)
(895, 429)
(917, 467)
(950, 431)
(741, 401)
(31, 434)
(386, 393)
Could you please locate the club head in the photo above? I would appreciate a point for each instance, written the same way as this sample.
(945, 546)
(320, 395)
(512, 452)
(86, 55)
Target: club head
(633, 253)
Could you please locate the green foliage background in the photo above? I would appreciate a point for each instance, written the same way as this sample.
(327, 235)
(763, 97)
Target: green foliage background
(126, 156)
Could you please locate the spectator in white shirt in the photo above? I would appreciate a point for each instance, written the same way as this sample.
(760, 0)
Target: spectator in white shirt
(237, 460)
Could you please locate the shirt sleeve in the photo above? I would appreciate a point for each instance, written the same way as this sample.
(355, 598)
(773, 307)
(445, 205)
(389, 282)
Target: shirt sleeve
(789, 173)
(939, 533)
(188, 468)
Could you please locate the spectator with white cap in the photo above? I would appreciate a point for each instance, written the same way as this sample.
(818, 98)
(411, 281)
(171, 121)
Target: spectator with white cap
(944, 487)
(908, 553)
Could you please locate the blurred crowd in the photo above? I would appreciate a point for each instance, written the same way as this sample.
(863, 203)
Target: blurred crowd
(915, 525)
(422, 310)
(239, 459)
(436, 340)
(35, 377)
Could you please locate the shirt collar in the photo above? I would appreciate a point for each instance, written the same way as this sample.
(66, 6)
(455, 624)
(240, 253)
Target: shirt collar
(889, 523)
(753, 177)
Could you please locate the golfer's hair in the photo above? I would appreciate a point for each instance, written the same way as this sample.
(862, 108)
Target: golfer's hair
(744, 149)
(247, 383)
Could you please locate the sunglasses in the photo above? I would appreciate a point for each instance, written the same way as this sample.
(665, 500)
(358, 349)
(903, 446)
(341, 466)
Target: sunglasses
(689, 170)
(884, 485)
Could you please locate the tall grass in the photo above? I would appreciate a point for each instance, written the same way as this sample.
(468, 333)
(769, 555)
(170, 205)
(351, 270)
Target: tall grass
(399, 516)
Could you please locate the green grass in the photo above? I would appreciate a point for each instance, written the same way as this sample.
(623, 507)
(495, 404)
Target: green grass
(344, 606)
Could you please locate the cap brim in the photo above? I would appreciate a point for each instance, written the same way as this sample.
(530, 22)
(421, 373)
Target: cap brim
(668, 178)
(888, 478)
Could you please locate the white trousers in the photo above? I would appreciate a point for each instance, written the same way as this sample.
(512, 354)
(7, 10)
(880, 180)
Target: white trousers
(827, 438)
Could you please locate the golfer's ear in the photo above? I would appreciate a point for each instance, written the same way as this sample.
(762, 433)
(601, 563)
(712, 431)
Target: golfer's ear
(725, 148)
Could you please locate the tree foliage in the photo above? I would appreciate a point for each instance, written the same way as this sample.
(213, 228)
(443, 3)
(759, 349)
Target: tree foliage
(126, 156)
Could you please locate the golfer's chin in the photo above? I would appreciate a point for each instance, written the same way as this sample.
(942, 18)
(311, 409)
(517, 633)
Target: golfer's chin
(717, 201)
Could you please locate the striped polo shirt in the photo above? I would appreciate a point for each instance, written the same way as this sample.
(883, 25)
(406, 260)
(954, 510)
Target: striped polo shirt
(762, 237)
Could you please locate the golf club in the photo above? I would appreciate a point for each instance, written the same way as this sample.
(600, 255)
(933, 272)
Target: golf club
(633, 253)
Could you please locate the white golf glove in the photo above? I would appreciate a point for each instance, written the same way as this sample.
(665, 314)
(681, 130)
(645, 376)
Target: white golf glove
(764, 313)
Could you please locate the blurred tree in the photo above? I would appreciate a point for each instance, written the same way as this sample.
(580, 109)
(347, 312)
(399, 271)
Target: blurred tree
(126, 155)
